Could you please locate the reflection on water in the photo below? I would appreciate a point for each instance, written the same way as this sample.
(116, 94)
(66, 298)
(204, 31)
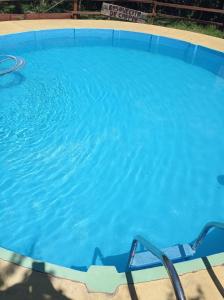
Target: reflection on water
(11, 80)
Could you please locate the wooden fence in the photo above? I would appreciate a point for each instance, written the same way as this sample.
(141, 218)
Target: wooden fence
(36, 16)
(153, 12)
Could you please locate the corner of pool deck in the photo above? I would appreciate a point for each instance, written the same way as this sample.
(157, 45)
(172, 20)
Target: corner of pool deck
(22, 277)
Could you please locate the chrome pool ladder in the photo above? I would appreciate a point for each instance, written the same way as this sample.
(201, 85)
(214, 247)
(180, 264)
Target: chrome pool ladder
(18, 63)
(204, 232)
(167, 256)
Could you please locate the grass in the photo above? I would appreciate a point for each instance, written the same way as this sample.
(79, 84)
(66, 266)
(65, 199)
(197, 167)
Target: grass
(190, 26)
(178, 24)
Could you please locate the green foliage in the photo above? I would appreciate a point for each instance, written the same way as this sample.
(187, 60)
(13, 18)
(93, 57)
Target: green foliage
(190, 26)
(7, 9)
(34, 6)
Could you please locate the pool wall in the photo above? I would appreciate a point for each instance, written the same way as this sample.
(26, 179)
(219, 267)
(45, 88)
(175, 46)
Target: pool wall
(206, 58)
(106, 278)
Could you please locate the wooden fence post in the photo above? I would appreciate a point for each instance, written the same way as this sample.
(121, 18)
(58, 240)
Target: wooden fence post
(80, 5)
(154, 6)
(75, 8)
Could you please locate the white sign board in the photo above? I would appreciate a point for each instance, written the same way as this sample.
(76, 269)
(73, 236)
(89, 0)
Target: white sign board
(123, 13)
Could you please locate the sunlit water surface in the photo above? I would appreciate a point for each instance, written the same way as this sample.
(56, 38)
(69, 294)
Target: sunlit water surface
(98, 144)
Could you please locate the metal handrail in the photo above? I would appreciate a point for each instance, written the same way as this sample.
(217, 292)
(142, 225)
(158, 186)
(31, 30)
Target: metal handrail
(174, 278)
(204, 232)
(19, 62)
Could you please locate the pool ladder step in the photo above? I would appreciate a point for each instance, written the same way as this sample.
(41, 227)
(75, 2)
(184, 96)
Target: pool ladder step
(18, 62)
(151, 256)
(176, 253)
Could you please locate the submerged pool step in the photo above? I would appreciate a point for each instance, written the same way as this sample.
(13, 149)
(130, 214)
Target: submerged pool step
(175, 253)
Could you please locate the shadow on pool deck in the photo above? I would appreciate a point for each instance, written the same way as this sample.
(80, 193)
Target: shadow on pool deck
(33, 286)
(213, 276)
(120, 261)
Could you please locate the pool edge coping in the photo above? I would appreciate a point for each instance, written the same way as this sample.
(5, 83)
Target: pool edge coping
(12, 27)
(106, 279)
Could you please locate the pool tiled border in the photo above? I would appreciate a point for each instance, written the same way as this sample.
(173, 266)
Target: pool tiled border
(105, 278)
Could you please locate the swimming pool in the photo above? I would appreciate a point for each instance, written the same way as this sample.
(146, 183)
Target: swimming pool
(106, 134)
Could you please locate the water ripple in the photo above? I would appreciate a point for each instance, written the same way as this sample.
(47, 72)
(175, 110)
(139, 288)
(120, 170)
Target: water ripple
(97, 149)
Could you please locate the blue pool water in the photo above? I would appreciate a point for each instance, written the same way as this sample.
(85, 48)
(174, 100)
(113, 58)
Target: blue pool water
(102, 141)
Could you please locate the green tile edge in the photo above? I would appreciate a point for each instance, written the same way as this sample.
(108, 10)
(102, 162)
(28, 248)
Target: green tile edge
(106, 279)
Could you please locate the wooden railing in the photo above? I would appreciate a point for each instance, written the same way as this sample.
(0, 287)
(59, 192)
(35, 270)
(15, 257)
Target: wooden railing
(191, 8)
(36, 16)
(154, 11)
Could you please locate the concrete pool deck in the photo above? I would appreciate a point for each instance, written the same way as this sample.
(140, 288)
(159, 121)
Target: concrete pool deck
(199, 282)
(20, 283)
